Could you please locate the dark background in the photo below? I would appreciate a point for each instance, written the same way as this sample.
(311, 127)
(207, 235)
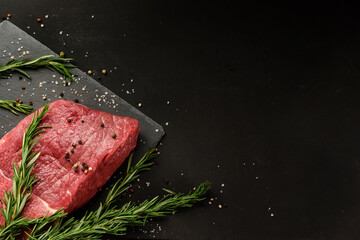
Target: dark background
(263, 98)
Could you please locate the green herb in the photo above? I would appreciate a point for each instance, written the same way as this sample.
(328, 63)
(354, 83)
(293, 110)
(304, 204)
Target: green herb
(15, 107)
(14, 201)
(51, 62)
(107, 219)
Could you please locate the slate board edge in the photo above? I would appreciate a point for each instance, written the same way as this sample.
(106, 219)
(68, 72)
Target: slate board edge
(132, 108)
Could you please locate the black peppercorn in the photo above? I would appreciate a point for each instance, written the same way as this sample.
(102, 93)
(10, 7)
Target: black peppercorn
(75, 169)
(113, 135)
(20, 77)
(69, 120)
(74, 145)
(102, 125)
(61, 94)
(82, 121)
(80, 142)
(76, 100)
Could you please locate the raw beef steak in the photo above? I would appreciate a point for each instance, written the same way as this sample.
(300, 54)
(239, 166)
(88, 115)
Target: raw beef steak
(78, 135)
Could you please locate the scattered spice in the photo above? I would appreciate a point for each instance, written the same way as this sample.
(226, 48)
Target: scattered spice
(102, 125)
(67, 155)
(220, 206)
(113, 135)
(73, 145)
(98, 78)
(86, 171)
(89, 72)
(42, 25)
(75, 165)
(30, 103)
(44, 97)
(38, 20)
(80, 142)
(76, 100)
(72, 151)
(90, 168)
(69, 120)
(76, 170)
(62, 54)
(20, 102)
(61, 94)
(9, 15)
(67, 159)
(23, 87)
(103, 72)
(82, 121)
(17, 100)
(20, 77)
(82, 169)
(139, 104)
(132, 190)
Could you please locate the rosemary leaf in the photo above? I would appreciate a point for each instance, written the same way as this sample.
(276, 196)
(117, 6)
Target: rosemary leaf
(15, 107)
(58, 64)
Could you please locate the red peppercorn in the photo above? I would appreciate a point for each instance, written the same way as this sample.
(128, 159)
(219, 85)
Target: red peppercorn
(39, 20)
(30, 103)
(132, 190)
(20, 102)
(9, 15)
(17, 100)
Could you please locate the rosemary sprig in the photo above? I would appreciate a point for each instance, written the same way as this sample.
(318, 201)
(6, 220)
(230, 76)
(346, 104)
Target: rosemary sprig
(51, 62)
(107, 219)
(14, 201)
(15, 107)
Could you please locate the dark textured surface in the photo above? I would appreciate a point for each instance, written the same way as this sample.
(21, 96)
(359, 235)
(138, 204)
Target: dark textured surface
(267, 92)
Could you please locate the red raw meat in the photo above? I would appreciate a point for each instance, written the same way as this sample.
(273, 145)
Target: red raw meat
(59, 185)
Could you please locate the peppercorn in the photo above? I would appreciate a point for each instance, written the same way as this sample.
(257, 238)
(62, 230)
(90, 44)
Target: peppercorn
(44, 97)
(83, 164)
(72, 151)
(75, 169)
(62, 54)
(132, 190)
(20, 77)
(61, 94)
(9, 15)
(113, 135)
(80, 142)
(17, 100)
(20, 102)
(67, 155)
(14, 104)
(39, 20)
(74, 145)
(76, 100)
(69, 120)
(102, 125)
(30, 103)
(103, 71)
(82, 121)
(67, 159)
(23, 87)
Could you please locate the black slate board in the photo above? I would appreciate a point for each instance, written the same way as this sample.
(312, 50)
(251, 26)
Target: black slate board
(13, 41)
